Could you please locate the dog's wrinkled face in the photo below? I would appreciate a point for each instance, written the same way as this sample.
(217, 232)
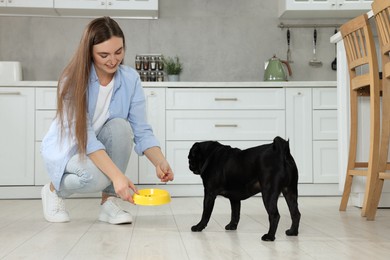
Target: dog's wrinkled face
(198, 154)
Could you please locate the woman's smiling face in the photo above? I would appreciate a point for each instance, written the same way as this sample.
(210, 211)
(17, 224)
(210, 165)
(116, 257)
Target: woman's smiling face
(107, 56)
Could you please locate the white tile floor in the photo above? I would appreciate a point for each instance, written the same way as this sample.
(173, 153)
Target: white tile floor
(163, 232)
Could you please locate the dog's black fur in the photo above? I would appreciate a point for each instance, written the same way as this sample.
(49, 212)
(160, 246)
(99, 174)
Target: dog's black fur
(239, 174)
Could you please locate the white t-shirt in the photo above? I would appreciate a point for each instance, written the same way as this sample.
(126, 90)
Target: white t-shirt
(103, 102)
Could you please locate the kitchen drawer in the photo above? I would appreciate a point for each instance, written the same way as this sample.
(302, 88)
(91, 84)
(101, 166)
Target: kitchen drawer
(325, 162)
(225, 125)
(177, 155)
(325, 124)
(324, 98)
(43, 121)
(46, 98)
(272, 98)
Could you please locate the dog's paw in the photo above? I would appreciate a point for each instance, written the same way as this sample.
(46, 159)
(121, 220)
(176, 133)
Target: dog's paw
(231, 226)
(197, 228)
(290, 232)
(267, 237)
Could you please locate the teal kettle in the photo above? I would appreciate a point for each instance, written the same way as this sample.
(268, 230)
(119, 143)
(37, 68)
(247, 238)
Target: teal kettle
(275, 71)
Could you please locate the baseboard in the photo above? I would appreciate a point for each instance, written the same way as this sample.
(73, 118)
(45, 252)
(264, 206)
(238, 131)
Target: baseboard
(356, 199)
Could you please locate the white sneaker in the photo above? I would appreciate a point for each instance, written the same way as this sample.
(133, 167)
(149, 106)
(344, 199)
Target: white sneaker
(111, 212)
(53, 206)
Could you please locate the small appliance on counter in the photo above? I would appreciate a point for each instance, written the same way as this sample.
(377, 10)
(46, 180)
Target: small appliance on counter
(10, 71)
(150, 67)
(274, 70)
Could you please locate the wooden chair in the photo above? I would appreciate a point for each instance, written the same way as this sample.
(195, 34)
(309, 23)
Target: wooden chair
(381, 10)
(360, 51)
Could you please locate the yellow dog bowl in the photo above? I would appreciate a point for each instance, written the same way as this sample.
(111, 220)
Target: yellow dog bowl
(151, 197)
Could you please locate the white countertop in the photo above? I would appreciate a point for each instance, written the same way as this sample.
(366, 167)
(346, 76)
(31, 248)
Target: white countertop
(189, 84)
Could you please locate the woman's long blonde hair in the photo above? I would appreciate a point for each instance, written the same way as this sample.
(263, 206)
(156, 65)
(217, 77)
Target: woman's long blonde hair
(72, 89)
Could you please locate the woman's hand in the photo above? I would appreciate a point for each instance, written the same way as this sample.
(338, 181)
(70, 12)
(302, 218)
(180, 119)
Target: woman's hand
(122, 186)
(164, 171)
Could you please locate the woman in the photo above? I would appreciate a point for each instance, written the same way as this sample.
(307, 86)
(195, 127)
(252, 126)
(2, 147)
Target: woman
(100, 111)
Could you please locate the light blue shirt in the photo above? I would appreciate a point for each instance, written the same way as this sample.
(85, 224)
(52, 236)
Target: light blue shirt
(128, 102)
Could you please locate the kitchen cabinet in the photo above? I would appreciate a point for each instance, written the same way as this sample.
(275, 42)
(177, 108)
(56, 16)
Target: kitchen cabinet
(299, 130)
(17, 136)
(155, 113)
(322, 8)
(325, 148)
(27, 7)
(122, 8)
(106, 4)
(45, 111)
(143, 9)
(27, 3)
(311, 127)
(249, 117)
(238, 117)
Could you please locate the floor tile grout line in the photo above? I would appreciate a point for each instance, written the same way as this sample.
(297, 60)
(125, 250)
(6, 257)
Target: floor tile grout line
(132, 233)
(180, 233)
(79, 239)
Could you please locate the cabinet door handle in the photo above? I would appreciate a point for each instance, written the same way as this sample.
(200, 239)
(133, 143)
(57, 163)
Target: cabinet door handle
(10, 93)
(226, 125)
(225, 99)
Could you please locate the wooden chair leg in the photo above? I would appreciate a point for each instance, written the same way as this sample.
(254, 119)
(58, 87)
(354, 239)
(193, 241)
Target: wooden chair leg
(352, 151)
(346, 192)
(383, 154)
(371, 184)
(373, 160)
(373, 206)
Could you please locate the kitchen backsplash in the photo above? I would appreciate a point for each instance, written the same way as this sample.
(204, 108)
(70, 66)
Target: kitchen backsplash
(215, 41)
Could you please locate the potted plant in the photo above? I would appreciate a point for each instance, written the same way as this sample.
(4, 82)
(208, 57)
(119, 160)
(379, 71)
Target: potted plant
(173, 67)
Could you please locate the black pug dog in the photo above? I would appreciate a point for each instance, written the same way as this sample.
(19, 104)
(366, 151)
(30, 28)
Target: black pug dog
(239, 174)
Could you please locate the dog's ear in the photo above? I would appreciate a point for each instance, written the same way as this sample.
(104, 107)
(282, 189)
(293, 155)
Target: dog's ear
(195, 158)
(194, 151)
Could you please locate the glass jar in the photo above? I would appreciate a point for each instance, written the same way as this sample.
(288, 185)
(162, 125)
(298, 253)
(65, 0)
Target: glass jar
(153, 76)
(145, 63)
(138, 62)
(153, 63)
(160, 76)
(160, 63)
(144, 76)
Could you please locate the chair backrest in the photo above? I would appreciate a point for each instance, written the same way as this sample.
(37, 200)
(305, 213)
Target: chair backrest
(361, 54)
(381, 10)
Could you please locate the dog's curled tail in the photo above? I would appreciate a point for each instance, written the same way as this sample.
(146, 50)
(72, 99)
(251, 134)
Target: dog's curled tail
(280, 144)
(283, 146)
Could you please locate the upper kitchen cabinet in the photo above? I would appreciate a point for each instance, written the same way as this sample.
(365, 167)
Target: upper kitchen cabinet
(30, 7)
(147, 9)
(301, 9)
(27, 3)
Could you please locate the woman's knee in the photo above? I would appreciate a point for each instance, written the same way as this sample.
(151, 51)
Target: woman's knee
(82, 177)
(116, 131)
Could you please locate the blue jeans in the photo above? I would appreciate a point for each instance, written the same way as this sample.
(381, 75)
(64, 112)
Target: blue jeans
(81, 174)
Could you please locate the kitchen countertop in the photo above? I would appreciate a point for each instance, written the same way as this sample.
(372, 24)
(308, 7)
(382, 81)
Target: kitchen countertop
(190, 84)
